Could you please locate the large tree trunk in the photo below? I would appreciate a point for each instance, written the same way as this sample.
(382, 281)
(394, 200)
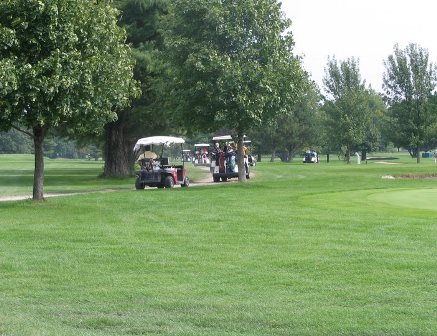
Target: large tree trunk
(117, 152)
(285, 156)
(38, 174)
(417, 155)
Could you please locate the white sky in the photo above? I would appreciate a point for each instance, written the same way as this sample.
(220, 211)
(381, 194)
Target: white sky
(364, 29)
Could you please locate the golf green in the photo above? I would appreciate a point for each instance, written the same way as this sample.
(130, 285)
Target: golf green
(411, 198)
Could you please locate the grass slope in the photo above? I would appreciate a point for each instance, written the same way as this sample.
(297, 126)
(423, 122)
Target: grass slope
(300, 250)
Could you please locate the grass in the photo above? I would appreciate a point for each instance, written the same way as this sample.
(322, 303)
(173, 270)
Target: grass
(300, 250)
(63, 176)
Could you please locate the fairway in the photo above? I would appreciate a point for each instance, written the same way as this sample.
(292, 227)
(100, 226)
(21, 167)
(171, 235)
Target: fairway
(413, 198)
(301, 249)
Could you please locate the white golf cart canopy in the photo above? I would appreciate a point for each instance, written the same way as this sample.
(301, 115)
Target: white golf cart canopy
(222, 137)
(201, 145)
(228, 137)
(158, 140)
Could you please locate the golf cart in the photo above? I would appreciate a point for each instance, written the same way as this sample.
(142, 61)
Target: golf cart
(224, 159)
(201, 152)
(155, 170)
(310, 157)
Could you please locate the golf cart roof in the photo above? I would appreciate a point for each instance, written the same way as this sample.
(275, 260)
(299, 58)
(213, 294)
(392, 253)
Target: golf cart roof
(222, 137)
(201, 145)
(158, 140)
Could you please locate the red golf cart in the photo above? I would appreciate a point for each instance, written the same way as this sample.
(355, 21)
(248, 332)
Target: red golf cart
(155, 170)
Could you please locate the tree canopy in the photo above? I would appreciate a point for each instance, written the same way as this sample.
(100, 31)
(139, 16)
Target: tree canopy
(350, 107)
(408, 82)
(63, 64)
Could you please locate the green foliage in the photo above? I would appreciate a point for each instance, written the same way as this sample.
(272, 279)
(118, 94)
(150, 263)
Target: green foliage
(409, 80)
(351, 110)
(70, 65)
(299, 129)
(232, 63)
(409, 75)
(141, 19)
(13, 141)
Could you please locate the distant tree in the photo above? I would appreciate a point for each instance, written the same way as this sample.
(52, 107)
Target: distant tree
(300, 128)
(232, 64)
(65, 65)
(374, 122)
(15, 142)
(431, 131)
(56, 146)
(264, 139)
(408, 82)
(292, 132)
(349, 107)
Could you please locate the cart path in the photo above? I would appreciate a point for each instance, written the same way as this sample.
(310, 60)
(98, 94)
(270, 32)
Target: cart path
(196, 183)
(47, 195)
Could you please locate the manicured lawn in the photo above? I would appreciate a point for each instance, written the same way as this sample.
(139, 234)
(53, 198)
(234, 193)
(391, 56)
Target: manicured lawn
(299, 250)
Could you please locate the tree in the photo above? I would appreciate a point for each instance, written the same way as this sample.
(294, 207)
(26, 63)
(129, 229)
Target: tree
(375, 124)
(349, 107)
(66, 67)
(300, 127)
(408, 82)
(232, 65)
(146, 115)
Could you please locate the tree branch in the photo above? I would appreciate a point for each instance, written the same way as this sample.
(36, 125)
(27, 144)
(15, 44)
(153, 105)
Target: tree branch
(22, 131)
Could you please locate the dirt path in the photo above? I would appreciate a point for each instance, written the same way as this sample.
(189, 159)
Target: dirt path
(197, 183)
(7, 198)
(46, 195)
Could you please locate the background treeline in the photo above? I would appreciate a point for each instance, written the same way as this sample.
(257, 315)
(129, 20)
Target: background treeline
(15, 142)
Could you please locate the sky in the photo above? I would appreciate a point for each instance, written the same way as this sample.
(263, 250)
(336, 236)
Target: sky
(364, 29)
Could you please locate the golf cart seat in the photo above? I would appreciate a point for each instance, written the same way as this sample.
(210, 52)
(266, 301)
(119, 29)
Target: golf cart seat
(151, 164)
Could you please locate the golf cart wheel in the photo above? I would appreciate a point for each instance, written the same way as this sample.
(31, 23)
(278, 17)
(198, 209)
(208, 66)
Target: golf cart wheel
(224, 179)
(168, 182)
(216, 178)
(139, 185)
(186, 183)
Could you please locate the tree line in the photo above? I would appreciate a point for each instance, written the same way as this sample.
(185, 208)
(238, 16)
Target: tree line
(112, 71)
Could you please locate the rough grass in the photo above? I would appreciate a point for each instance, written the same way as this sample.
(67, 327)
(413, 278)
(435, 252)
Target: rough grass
(299, 250)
